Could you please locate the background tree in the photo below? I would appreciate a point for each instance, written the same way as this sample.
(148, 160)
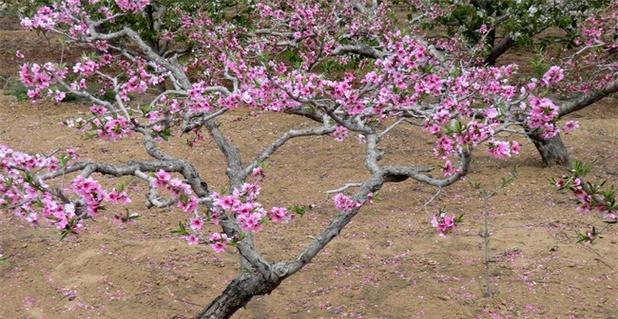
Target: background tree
(561, 31)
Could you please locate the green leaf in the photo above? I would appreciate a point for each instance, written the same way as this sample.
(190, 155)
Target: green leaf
(181, 230)
(145, 109)
(37, 203)
(120, 187)
(90, 135)
(184, 198)
(299, 209)
(474, 184)
(459, 219)
(69, 229)
(263, 164)
(63, 160)
(28, 177)
(8, 182)
(165, 133)
(376, 196)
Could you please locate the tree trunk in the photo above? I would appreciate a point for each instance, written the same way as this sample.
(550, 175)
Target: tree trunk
(236, 295)
(499, 49)
(553, 152)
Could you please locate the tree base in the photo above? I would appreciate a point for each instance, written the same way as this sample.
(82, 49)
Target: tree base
(236, 295)
(552, 151)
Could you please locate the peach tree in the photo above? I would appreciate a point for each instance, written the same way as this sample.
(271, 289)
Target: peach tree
(580, 36)
(158, 69)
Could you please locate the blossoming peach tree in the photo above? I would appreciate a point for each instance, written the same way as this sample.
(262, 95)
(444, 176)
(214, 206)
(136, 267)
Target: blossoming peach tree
(342, 65)
(577, 35)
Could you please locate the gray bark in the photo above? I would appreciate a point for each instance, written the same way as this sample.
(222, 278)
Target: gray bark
(498, 50)
(237, 294)
(552, 151)
(584, 100)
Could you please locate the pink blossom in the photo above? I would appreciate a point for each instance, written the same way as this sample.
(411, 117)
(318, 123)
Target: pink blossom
(554, 75)
(86, 67)
(279, 215)
(227, 202)
(343, 203)
(491, 113)
(250, 222)
(257, 172)
(499, 149)
(218, 241)
(162, 178)
(114, 128)
(190, 205)
(443, 223)
(483, 29)
(90, 191)
(196, 223)
(97, 109)
(570, 126)
(118, 197)
(132, 5)
(45, 18)
(59, 96)
(340, 133)
(191, 239)
(251, 191)
(448, 168)
(244, 208)
(178, 187)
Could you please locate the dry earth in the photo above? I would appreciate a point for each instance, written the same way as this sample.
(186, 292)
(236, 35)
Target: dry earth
(388, 263)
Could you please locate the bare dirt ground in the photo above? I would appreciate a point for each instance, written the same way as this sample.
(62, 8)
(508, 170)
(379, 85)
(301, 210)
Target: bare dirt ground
(388, 263)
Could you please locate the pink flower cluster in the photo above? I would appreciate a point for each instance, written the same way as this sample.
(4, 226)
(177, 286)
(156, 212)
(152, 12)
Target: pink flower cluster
(248, 212)
(87, 67)
(241, 204)
(502, 149)
(443, 223)
(218, 241)
(38, 78)
(45, 18)
(340, 133)
(344, 203)
(554, 75)
(134, 6)
(90, 192)
(135, 84)
(12, 161)
(113, 128)
(182, 191)
(279, 215)
(22, 192)
(197, 101)
(542, 114)
(118, 197)
(587, 199)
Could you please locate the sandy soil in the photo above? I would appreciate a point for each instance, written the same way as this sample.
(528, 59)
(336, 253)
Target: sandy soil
(388, 263)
